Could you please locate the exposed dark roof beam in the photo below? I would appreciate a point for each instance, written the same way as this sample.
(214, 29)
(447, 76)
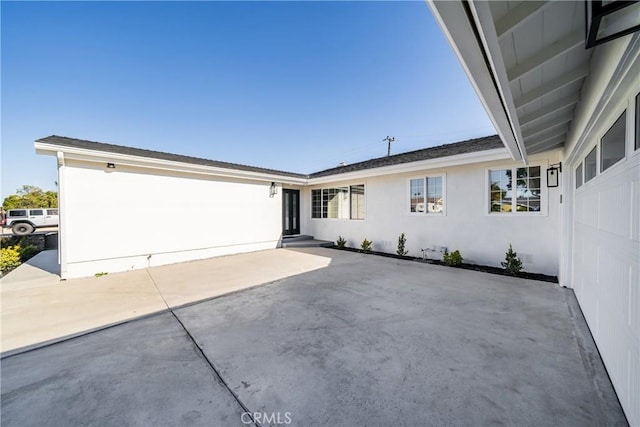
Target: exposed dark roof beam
(552, 86)
(544, 127)
(518, 16)
(543, 137)
(550, 109)
(545, 55)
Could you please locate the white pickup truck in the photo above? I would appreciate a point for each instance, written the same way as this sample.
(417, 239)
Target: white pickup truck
(25, 221)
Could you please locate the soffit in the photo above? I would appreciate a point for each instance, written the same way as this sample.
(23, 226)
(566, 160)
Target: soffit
(542, 45)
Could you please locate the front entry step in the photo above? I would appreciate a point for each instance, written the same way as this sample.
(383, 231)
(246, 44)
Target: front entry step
(304, 241)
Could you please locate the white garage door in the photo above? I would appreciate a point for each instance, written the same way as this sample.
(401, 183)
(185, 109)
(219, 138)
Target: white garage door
(606, 255)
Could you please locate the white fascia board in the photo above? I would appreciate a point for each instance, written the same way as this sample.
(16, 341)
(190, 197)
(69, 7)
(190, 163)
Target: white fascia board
(438, 163)
(453, 20)
(487, 30)
(72, 153)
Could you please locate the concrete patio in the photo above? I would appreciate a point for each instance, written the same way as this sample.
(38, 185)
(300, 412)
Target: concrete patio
(361, 340)
(37, 307)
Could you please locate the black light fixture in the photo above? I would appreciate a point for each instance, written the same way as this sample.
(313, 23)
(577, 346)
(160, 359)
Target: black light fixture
(553, 175)
(607, 20)
(273, 189)
(111, 165)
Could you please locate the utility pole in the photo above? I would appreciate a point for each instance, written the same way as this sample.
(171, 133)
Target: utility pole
(389, 140)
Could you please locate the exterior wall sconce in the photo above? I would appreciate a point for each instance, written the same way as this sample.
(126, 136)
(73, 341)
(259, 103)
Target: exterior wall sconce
(273, 189)
(111, 165)
(608, 21)
(553, 175)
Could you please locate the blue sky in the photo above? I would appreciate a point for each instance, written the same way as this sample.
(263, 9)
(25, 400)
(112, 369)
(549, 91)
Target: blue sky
(298, 86)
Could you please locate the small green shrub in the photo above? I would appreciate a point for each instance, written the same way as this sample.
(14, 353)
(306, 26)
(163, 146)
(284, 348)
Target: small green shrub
(341, 242)
(27, 252)
(512, 262)
(366, 245)
(9, 258)
(402, 240)
(452, 259)
(102, 273)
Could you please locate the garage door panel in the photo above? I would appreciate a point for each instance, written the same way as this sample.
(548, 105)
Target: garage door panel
(590, 209)
(633, 312)
(614, 205)
(606, 254)
(633, 382)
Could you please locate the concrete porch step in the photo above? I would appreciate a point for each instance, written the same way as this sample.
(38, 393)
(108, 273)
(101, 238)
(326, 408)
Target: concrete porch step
(296, 238)
(304, 241)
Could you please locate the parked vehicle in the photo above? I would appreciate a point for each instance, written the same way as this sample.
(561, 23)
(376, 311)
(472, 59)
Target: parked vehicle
(25, 221)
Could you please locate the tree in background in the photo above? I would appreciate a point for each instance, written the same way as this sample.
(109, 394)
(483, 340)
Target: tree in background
(30, 196)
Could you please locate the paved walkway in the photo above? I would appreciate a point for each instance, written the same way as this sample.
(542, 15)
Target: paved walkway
(366, 340)
(37, 307)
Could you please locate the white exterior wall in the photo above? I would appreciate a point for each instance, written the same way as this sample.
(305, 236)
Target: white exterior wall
(482, 238)
(129, 218)
(601, 222)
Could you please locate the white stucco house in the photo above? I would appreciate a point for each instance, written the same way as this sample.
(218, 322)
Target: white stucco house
(164, 208)
(563, 113)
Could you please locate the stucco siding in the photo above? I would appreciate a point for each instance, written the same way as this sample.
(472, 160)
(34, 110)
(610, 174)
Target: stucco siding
(482, 238)
(127, 218)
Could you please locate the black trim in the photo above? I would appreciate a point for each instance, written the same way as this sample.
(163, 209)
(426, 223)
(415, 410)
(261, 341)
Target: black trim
(598, 11)
(290, 212)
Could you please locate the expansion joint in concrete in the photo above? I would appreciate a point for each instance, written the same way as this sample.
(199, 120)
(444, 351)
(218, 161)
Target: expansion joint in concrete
(204, 356)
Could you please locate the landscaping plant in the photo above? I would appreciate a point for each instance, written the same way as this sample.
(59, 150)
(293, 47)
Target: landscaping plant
(341, 242)
(9, 258)
(452, 259)
(15, 251)
(401, 245)
(366, 245)
(512, 262)
(27, 252)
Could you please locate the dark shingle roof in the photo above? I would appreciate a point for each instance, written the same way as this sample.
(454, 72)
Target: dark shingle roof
(140, 152)
(468, 146)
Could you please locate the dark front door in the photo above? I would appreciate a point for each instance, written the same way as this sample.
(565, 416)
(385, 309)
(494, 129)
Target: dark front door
(290, 212)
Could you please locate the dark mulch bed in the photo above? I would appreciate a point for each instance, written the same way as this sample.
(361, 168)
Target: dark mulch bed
(475, 267)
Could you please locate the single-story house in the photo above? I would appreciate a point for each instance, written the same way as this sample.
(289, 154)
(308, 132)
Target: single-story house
(125, 208)
(560, 182)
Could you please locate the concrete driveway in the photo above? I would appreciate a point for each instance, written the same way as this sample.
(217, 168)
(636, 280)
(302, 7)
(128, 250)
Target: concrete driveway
(364, 341)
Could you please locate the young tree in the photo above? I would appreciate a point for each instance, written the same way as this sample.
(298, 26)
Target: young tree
(30, 196)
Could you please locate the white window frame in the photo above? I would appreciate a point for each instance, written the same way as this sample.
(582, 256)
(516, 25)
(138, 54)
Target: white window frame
(584, 167)
(627, 107)
(341, 185)
(544, 192)
(575, 169)
(623, 109)
(424, 177)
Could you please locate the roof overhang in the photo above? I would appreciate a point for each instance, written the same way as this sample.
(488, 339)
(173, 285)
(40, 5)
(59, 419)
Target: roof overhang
(65, 153)
(527, 62)
(437, 163)
(92, 156)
